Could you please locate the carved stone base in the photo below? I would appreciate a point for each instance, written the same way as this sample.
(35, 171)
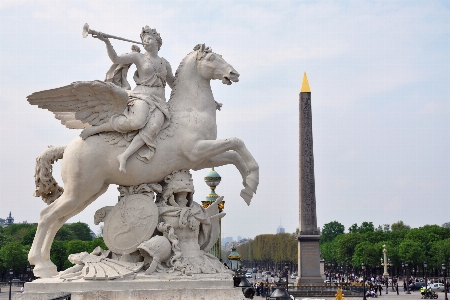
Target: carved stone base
(183, 288)
(309, 260)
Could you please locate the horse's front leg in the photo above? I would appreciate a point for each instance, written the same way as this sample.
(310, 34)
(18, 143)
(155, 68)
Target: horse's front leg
(209, 148)
(226, 158)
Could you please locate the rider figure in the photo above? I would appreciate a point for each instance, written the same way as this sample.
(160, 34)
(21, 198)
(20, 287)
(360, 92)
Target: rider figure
(147, 110)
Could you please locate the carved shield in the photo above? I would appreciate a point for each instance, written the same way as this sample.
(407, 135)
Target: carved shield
(131, 222)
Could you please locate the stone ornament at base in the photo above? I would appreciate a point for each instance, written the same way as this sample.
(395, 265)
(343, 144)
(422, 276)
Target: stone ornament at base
(200, 286)
(131, 222)
(175, 247)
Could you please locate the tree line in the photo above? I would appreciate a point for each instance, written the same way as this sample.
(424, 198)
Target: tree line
(270, 251)
(364, 244)
(16, 240)
(361, 244)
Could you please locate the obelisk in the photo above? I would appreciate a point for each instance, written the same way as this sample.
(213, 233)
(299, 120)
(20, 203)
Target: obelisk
(309, 236)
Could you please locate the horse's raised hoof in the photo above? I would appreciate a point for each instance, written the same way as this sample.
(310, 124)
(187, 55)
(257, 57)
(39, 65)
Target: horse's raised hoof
(45, 271)
(247, 195)
(252, 183)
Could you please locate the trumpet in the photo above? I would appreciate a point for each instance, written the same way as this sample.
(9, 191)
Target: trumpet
(87, 31)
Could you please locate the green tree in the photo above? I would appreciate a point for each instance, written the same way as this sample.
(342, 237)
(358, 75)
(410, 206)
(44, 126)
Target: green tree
(412, 251)
(4, 239)
(13, 255)
(354, 228)
(328, 251)
(65, 234)
(330, 231)
(58, 254)
(367, 253)
(440, 252)
(28, 238)
(345, 247)
(81, 231)
(17, 231)
(400, 226)
(366, 227)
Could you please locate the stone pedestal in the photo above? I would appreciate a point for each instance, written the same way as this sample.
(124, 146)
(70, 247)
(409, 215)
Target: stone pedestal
(309, 260)
(183, 288)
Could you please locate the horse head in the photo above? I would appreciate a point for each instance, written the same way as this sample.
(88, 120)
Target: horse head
(211, 65)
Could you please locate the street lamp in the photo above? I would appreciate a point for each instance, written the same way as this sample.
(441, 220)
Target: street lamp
(286, 268)
(425, 264)
(280, 293)
(389, 265)
(346, 271)
(444, 270)
(11, 273)
(363, 266)
(235, 259)
(407, 278)
(28, 272)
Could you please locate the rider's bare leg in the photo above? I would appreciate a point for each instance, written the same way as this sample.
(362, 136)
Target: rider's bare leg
(95, 129)
(136, 143)
(150, 130)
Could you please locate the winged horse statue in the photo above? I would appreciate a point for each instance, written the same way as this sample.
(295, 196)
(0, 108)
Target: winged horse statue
(90, 165)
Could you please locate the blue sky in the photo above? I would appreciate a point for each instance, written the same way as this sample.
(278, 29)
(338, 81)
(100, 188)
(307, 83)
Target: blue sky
(379, 72)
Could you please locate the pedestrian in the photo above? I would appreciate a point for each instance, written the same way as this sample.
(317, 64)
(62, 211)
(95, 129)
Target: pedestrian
(387, 286)
(396, 287)
(21, 289)
(404, 285)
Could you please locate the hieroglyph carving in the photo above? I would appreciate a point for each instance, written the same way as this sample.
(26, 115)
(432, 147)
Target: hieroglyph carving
(307, 190)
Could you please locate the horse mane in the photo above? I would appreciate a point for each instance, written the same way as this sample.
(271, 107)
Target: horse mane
(177, 77)
(169, 131)
(198, 53)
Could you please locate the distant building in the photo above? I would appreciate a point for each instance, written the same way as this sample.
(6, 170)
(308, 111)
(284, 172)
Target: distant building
(2, 222)
(9, 220)
(280, 229)
(239, 238)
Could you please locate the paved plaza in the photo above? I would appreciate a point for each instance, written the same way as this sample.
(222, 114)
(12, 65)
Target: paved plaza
(391, 296)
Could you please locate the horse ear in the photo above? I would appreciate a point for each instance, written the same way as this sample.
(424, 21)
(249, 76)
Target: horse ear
(200, 48)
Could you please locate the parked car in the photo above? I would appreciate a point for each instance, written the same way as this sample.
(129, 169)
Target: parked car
(248, 274)
(437, 287)
(328, 281)
(294, 275)
(416, 286)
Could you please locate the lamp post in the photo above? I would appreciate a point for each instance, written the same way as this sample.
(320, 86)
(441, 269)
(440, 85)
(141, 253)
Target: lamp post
(407, 278)
(286, 270)
(11, 273)
(363, 266)
(392, 281)
(425, 264)
(346, 271)
(444, 270)
(28, 272)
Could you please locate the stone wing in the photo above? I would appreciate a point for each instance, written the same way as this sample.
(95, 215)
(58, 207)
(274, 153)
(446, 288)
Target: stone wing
(82, 103)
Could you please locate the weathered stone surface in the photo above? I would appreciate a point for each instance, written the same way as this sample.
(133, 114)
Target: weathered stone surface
(198, 288)
(136, 137)
(308, 239)
(131, 222)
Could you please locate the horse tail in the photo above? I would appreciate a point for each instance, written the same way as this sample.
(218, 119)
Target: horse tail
(46, 185)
